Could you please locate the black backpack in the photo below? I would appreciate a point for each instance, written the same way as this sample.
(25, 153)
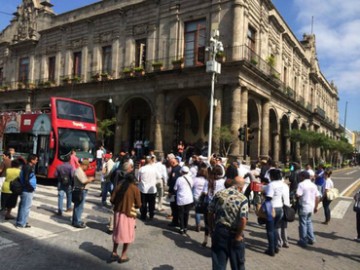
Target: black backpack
(16, 186)
(64, 178)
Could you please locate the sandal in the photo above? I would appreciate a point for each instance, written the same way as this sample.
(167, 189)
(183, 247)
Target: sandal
(204, 244)
(123, 260)
(113, 258)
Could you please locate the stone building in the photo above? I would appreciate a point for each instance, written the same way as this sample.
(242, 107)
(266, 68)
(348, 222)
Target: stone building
(119, 56)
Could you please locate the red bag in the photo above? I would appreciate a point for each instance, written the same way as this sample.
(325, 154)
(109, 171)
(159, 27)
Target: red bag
(255, 186)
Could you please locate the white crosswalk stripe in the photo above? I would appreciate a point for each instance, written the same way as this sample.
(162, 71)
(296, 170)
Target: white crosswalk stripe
(44, 221)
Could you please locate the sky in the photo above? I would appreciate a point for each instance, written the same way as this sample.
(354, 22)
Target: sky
(336, 25)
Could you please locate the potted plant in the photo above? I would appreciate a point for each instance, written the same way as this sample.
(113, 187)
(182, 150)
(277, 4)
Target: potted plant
(49, 83)
(66, 80)
(95, 77)
(21, 85)
(128, 72)
(105, 76)
(76, 79)
(139, 71)
(253, 61)
(30, 85)
(220, 57)
(178, 63)
(157, 66)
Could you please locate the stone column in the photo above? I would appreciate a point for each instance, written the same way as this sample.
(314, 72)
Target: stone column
(84, 63)
(238, 29)
(265, 123)
(275, 137)
(218, 95)
(115, 58)
(243, 113)
(235, 110)
(159, 122)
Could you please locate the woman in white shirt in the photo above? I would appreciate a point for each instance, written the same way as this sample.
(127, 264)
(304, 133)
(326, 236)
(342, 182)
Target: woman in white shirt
(278, 193)
(199, 182)
(329, 184)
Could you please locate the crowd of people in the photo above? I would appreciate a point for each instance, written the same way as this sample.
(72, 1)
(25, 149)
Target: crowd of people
(221, 195)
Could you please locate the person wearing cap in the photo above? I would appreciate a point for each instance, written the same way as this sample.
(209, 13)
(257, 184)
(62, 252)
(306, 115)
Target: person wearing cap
(174, 175)
(184, 197)
(82, 182)
(106, 171)
(147, 184)
(308, 196)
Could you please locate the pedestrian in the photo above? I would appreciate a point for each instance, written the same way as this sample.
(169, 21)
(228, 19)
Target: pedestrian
(308, 196)
(9, 199)
(357, 211)
(228, 212)
(6, 163)
(329, 184)
(99, 158)
(320, 180)
(147, 185)
(74, 160)
(184, 197)
(125, 198)
(161, 181)
(174, 174)
(106, 171)
(278, 193)
(81, 186)
(64, 174)
(199, 182)
(28, 180)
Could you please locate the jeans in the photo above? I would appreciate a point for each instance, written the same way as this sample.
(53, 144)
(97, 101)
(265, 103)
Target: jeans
(24, 208)
(98, 164)
(174, 212)
(225, 247)
(147, 199)
(79, 209)
(271, 230)
(306, 230)
(327, 212)
(107, 188)
(358, 224)
(62, 190)
(197, 215)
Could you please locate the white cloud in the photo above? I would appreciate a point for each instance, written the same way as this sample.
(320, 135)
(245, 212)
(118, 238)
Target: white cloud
(337, 31)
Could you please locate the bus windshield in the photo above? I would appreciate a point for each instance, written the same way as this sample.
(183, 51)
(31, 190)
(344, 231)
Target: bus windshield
(68, 110)
(82, 141)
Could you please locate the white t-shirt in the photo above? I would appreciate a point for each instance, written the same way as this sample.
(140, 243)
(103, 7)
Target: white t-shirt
(329, 184)
(147, 179)
(307, 191)
(279, 192)
(184, 193)
(198, 187)
(99, 153)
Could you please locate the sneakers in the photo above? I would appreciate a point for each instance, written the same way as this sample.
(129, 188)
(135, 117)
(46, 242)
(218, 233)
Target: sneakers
(80, 226)
(357, 239)
(69, 210)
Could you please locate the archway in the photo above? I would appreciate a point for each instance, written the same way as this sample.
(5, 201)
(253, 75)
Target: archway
(105, 110)
(284, 139)
(253, 123)
(274, 134)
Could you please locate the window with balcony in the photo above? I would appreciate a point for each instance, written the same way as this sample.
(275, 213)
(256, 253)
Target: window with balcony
(77, 64)
(195, 41)
(24, 69)
(140, 53)
(106, 59)
(251, 44)
(51, 71)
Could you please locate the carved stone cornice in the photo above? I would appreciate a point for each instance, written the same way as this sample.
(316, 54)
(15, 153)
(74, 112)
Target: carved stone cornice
(77, 44)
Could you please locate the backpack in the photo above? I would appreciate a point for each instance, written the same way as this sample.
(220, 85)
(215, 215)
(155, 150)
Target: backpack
(64, 178)
(16, 186)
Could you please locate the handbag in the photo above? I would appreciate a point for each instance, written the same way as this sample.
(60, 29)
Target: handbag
(289, 213)
(262, 213)
(77, 195)
(16, 186)
(201, 205)
(332, 194)
(356, 206)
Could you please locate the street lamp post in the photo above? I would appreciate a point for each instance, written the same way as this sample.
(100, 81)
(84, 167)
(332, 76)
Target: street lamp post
(213, 67)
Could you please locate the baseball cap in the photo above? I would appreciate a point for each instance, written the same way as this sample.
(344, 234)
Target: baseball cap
(108, 156)
(185, 169)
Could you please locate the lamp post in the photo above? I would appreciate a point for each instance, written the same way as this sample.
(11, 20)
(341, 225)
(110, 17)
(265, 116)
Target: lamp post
(213, 67)
(288, 113)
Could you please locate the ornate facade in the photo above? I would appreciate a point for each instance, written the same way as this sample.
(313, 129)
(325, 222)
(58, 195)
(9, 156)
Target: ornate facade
(125, 51)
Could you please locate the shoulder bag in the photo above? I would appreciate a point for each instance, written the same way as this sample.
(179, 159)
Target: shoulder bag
(289, 213)
(332, 194)
(16, 186)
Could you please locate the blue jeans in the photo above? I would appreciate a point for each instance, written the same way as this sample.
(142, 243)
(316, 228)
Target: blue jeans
(271, 230)
(225, 247)
(107, 188)
(24, 208)
(98, 164)
(327, 212)
(79, 209)
(306, 230)
(62, 190)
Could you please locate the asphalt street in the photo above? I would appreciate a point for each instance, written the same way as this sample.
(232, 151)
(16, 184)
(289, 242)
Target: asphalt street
(52, 243)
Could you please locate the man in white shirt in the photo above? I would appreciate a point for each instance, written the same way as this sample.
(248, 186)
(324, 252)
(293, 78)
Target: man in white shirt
(147, 185)
(184, 197)
(99, 158)
(308, 196)
(106, 171)
(161, 181)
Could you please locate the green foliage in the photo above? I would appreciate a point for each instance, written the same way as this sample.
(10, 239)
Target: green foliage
(104, 128)
(227, 138)
(271, 60)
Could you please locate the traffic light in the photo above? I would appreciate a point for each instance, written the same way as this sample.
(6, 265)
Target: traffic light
(241, 135)
(249, 135)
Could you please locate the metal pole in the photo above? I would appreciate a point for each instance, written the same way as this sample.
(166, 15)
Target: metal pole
(345, 116)
(211, 114)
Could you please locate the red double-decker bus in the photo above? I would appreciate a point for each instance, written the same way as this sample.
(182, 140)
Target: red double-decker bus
(52, 134)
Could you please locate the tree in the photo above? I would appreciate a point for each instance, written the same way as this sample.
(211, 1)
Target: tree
(227, 138)
(104, 130)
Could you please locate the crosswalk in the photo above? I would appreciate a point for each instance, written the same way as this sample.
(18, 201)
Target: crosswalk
(44, 221)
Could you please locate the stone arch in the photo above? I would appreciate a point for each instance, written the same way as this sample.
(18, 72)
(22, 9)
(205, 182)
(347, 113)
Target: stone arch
(284, 138)
(273, 135)
(105, 110)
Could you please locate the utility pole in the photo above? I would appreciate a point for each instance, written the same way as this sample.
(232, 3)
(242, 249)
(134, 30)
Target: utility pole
(213, 67)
